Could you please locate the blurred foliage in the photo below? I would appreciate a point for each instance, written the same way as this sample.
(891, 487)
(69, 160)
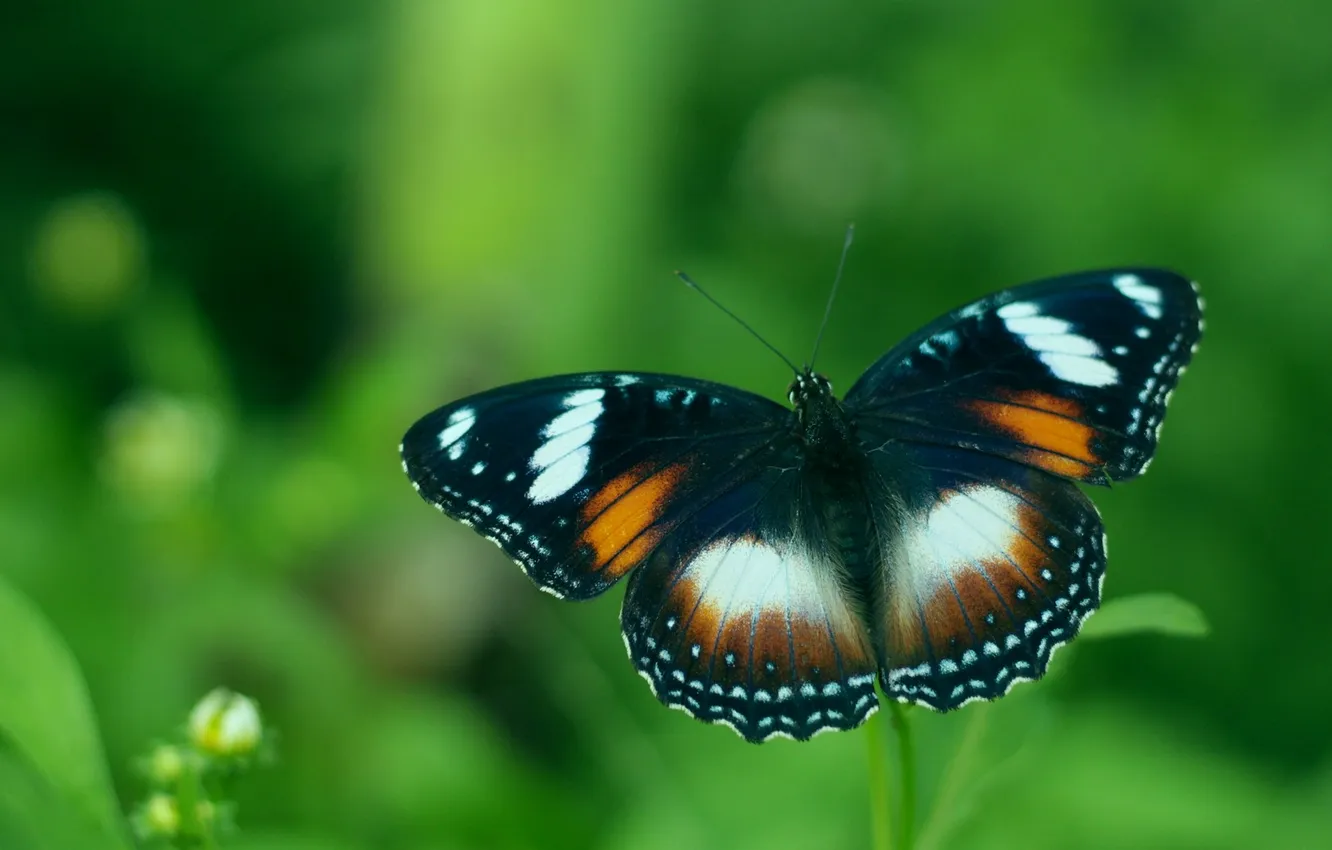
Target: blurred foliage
(244, 245)
(1147, 612)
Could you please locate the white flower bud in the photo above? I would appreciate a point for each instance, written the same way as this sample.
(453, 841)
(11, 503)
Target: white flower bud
(225, 724)
(159, 817)
(165, 765)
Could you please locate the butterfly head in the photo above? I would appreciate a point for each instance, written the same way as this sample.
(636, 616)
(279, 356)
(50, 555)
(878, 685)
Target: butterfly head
(822, 424)
(807, 387)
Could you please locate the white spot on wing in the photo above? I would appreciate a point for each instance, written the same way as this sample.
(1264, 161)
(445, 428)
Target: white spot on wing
(459, 423)
(1025, 325)
(745, 576)
(574, 418)
(1064, 344)
(1133, 287)
(1018, 310)
(561, 461)
(559, 446)
(581, 397)
(1077, 369)
(560, 477)
(965, 528)
(1070, 356)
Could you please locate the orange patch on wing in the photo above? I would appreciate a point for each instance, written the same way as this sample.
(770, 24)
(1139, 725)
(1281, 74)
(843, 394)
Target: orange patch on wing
(619, 517)
(1059, 464)
(1048, 423)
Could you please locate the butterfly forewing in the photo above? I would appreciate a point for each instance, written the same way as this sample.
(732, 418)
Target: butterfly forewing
(1070, 375)
(578, 478)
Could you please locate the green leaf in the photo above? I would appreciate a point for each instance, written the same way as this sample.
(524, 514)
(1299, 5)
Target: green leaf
(1163, 613)
(35, 816)
(46, 713)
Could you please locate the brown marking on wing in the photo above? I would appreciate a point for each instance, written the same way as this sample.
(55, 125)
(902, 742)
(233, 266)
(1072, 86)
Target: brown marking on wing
(905, 638)
(1025, 555)
(769, 632)
(1049, 424)
(699, 615)
(813, 649)
(850, 638)
(958, 609)
(619, 518)
(1008, 579)
(772, 644)
(1016, 563)
(853, 644)
(734, 639)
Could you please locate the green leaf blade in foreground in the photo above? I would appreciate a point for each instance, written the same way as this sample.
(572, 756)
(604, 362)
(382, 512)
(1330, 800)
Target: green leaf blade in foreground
(1159, 613)
(47, 714)
(36, 816)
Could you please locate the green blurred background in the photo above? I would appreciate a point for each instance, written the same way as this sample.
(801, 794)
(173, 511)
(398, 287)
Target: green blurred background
(244, 245)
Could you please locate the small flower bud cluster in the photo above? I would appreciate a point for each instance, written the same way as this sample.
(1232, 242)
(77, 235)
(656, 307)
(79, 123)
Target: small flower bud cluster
(187, 805)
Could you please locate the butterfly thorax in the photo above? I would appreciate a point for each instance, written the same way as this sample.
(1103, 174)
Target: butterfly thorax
(835, 470)
(825, 431)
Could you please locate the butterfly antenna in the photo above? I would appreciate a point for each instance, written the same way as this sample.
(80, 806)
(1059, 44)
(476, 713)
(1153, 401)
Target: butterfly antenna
(832, 296)
(689, 282)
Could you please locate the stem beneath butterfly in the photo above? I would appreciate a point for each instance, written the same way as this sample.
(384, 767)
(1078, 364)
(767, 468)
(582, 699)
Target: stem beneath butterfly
(881, 804)
(906, 752)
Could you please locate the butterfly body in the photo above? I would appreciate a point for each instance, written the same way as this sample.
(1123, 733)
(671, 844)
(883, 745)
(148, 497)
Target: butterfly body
(925, 532)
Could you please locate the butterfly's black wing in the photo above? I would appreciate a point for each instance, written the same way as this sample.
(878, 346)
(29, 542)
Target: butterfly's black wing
(978, 425)
(575, 477)
(990, 566)
(742, 617)
(735, 613)
(1070, 375)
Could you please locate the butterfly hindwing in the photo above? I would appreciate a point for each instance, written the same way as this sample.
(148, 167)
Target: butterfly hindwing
(578, 478)
(992, 566)
(1070, 375)
(741, 618)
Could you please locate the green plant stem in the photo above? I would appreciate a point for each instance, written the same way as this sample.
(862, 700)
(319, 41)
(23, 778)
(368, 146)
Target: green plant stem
(907, 758)
(947, 802)
(881, 804)
(190, 792)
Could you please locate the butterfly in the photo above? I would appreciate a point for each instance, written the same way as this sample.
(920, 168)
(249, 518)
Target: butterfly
(925, 531)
